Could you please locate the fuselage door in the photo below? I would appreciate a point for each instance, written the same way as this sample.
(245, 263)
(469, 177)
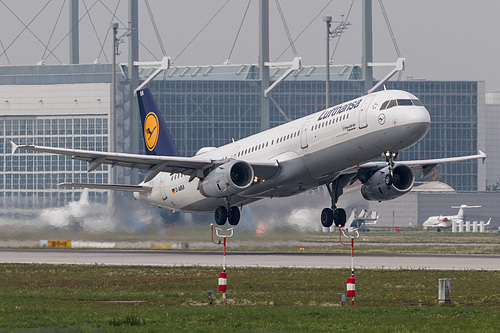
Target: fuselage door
(235, 152)
(303, 136)
(363, 112)
(163, 185)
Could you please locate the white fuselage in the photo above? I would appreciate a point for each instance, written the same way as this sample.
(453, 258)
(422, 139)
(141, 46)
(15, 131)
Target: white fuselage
(311, 151)
(441, 221)
(447, 221)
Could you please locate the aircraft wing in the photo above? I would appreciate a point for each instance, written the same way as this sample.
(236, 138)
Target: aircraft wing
(192, 166)
(113, 187)
(426, 166)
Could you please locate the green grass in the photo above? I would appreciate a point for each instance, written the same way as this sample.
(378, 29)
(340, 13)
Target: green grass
(73, 298)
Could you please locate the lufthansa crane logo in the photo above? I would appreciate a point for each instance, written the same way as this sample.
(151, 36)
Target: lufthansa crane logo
(381, 119)
(151, 130)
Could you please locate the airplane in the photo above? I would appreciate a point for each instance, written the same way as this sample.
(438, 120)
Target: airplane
(333, 148)
(77, 215)
(447, 221)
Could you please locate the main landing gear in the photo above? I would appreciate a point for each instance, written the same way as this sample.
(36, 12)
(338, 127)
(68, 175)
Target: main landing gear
(229, 213)
(334, 214)
(389, 159)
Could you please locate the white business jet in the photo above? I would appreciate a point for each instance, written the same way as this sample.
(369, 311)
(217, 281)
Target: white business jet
(447, 221)
(331, 148)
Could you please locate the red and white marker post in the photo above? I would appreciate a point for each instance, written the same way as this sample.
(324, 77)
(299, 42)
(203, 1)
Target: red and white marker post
(223, 274)
(351, 287)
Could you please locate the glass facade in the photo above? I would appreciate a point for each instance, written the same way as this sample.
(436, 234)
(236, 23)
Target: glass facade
(28, 180)
(74, 116)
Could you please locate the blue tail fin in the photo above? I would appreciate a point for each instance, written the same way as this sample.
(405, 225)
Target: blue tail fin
(157, 137)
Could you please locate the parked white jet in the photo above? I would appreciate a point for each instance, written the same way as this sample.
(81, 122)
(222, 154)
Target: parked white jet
(447, 221)
(333, 147)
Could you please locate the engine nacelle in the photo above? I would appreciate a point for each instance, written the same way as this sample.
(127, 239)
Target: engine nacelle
(376, 188)
(227, 179)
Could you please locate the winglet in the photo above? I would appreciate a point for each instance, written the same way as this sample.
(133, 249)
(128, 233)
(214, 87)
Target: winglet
(157, 137)
(484, 155)
(14, 147)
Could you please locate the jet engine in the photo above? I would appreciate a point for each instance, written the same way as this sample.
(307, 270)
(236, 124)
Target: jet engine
(381, 186)
(227, 179)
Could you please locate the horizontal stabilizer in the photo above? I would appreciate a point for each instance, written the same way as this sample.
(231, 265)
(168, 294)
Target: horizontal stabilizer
(112, 187)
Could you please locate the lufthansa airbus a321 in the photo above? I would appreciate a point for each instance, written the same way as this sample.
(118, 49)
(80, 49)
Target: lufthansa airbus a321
(332, 148)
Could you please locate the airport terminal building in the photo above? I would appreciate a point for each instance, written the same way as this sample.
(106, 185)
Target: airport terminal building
(69, 106)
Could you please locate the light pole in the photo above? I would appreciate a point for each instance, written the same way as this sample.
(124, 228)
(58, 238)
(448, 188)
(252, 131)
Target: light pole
(328, 21)
(112, 114)
(331, 34)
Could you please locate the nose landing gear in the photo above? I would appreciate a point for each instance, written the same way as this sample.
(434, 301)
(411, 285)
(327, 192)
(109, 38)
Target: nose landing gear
(389, 159)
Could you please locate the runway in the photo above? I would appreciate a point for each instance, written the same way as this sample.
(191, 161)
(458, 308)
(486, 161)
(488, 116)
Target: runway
(250, 259)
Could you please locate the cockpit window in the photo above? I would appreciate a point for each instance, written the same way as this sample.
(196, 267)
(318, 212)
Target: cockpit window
(404, 102)
(391, 104)
(417, 102)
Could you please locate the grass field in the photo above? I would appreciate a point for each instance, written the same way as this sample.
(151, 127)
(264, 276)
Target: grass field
(72, 298)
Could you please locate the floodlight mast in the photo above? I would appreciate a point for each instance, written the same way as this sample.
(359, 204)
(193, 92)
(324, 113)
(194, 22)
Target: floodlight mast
(367, 49)
(133, 72)
(328, 21)
(74, 43)
(331, 34)
(263, 59)
(112, 114)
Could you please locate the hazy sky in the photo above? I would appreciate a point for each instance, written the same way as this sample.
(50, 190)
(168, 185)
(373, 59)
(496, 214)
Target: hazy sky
(440, 39)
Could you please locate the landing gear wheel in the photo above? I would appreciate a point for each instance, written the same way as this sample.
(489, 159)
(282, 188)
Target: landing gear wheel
(389, 180)
(340, 217)
(327, 217)
(233, 215)
(220, 215)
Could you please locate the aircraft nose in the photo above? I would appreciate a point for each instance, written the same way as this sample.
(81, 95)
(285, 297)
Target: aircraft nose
(418, 122)
(419, 115)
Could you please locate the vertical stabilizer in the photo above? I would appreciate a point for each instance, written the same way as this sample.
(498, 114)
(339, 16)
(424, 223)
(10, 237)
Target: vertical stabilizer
(84, 197)
(461, 213)
(157, 138)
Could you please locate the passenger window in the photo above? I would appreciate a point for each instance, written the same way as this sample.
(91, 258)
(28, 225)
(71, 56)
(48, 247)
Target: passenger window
(384, 105)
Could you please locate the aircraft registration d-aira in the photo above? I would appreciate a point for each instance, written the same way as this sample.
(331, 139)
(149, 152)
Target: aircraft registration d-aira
(333, 147)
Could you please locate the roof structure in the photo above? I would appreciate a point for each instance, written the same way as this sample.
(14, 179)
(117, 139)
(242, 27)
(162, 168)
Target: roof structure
(246, 72)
